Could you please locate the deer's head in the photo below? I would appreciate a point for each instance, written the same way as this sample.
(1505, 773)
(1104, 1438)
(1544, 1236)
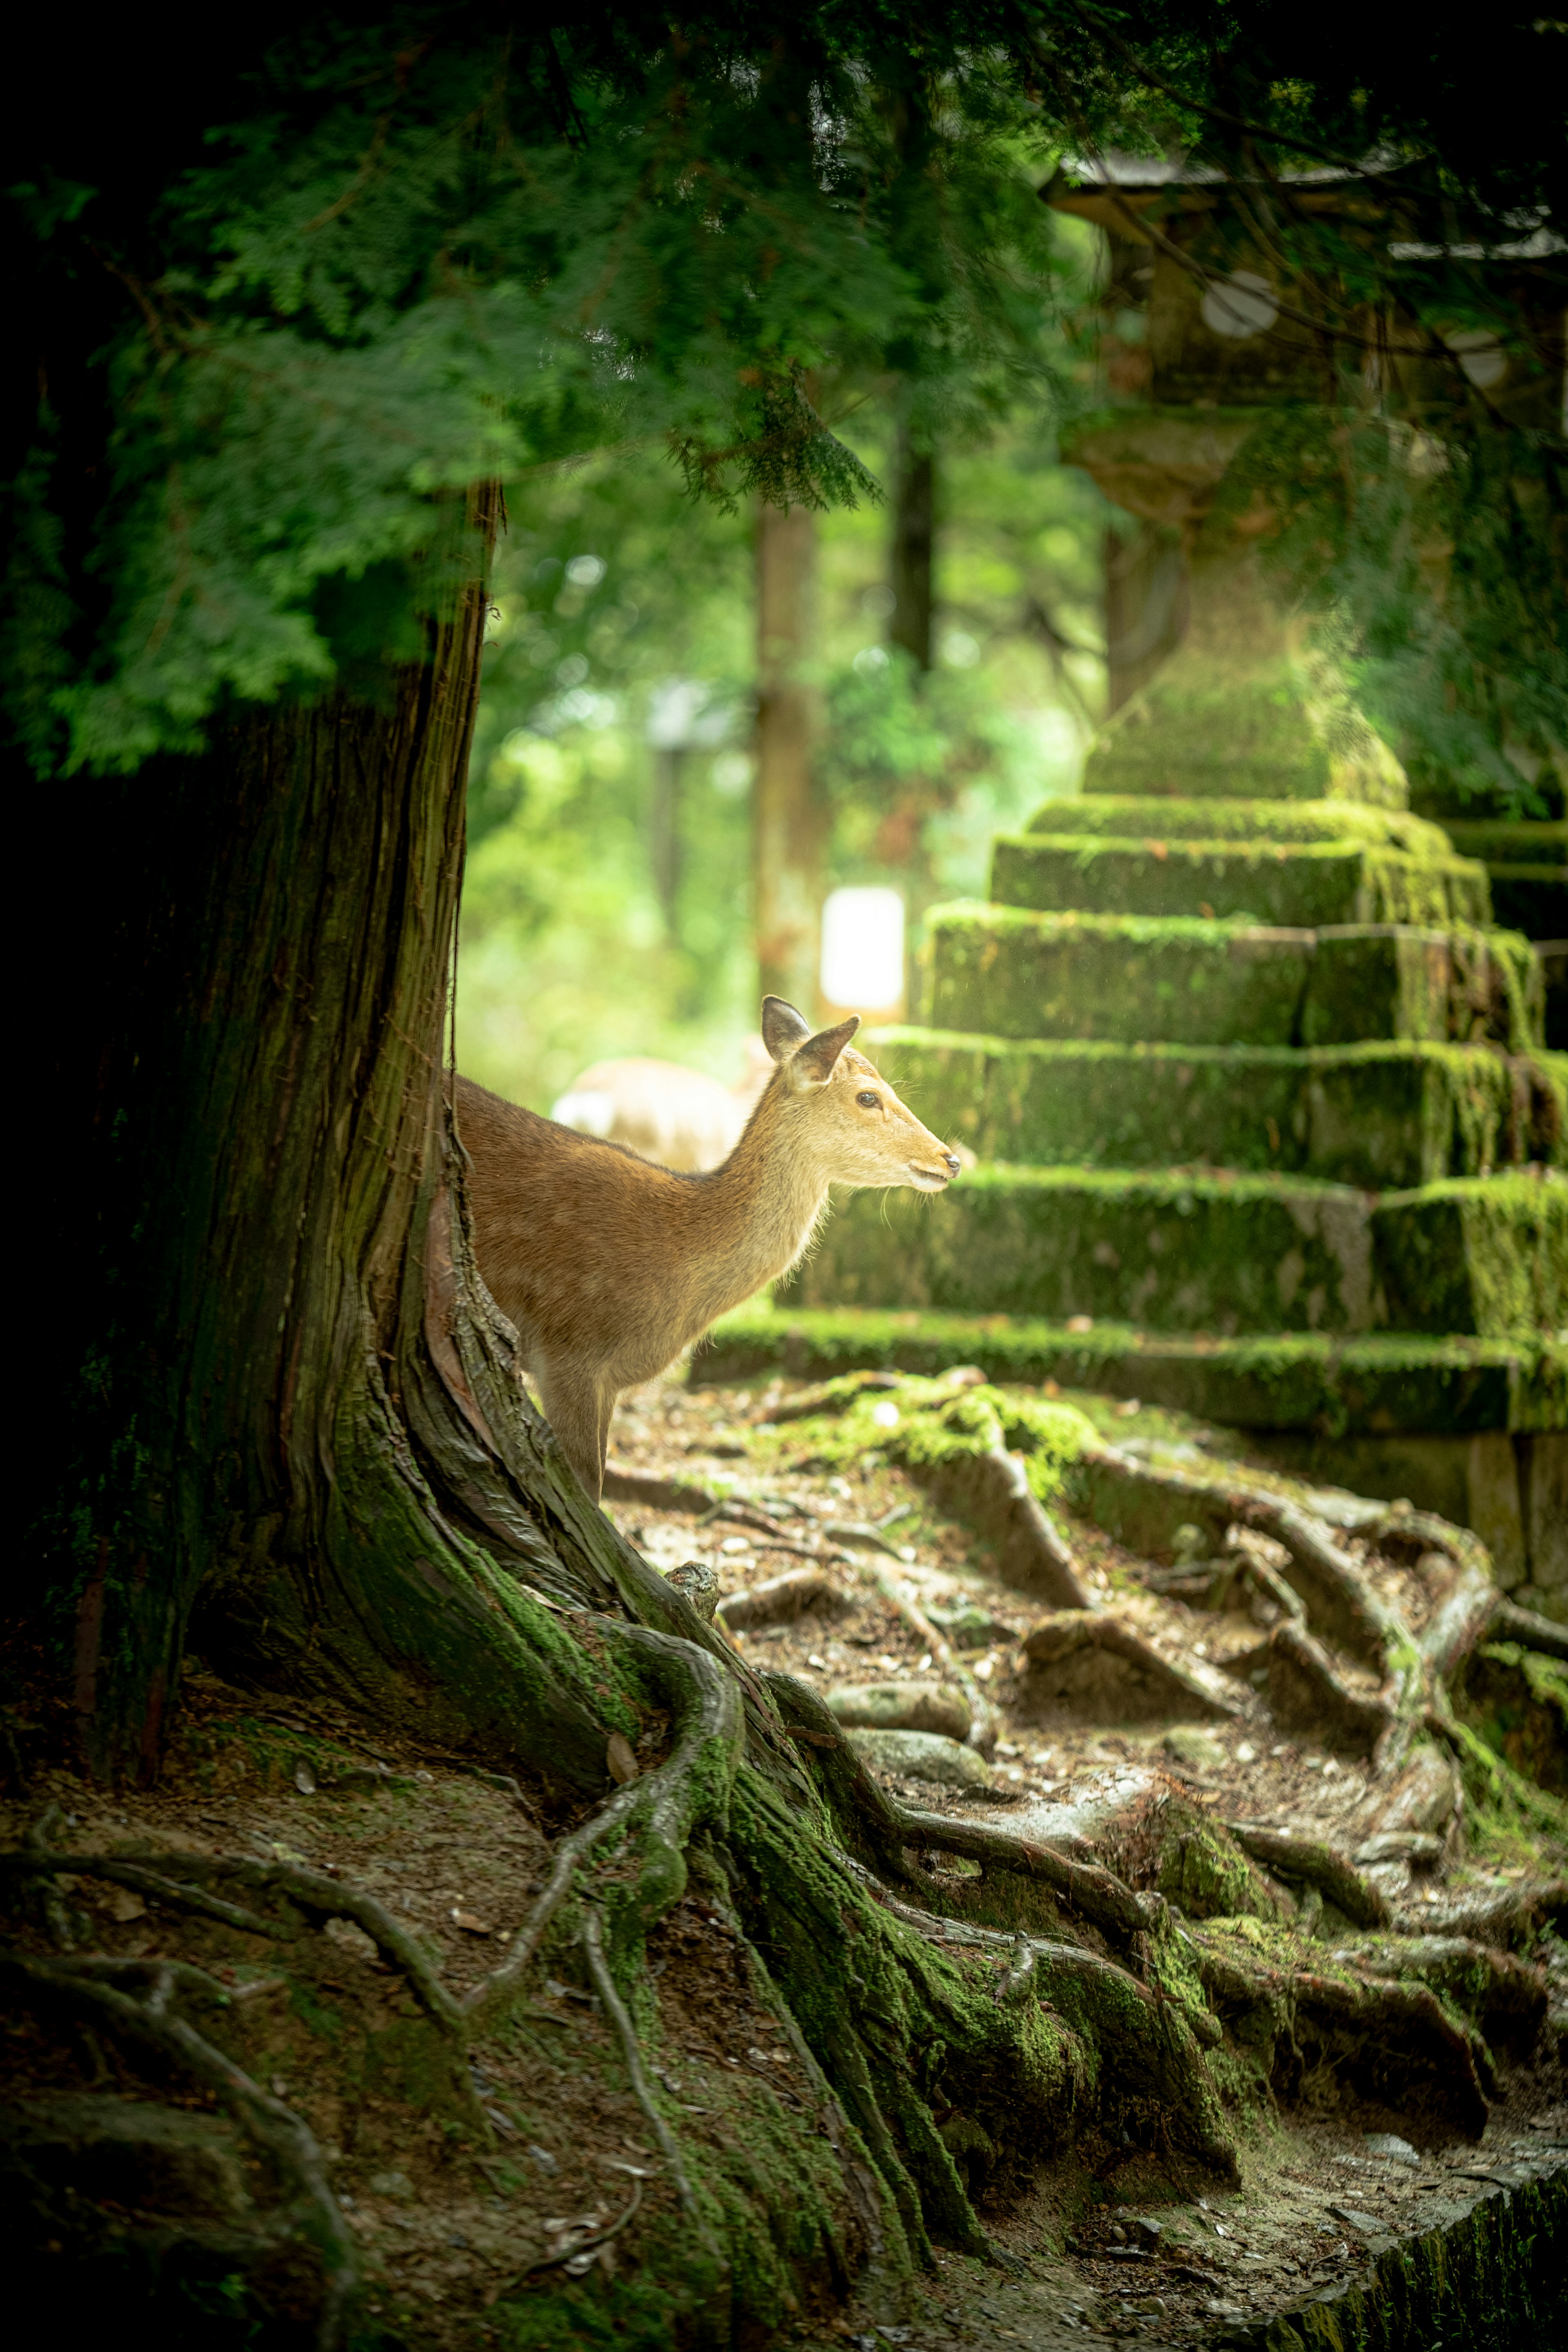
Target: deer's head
(841, 1115)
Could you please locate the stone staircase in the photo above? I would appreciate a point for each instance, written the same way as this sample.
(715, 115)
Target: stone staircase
(1263, 1127)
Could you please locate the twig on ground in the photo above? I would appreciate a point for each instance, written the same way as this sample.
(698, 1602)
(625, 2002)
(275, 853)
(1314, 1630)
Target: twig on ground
(982, 1715)
(669, 2148)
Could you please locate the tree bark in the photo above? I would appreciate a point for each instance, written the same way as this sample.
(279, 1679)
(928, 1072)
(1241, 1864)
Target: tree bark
(786, 817)
(909, 558)
(298, 1427)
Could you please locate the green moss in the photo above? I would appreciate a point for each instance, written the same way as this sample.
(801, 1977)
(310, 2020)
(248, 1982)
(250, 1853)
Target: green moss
(1206, 1252)
(1241, 729)
(1468, 1255)
(1508, 1815)
(1207, 1874)
(1382, 1114)
(1009, 973)
(1502, 843)
(1518, 1702)
(1242, 820)
(1304, 882)
(1373, 1384)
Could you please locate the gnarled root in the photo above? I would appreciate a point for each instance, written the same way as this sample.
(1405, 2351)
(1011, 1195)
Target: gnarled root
(153, 2026)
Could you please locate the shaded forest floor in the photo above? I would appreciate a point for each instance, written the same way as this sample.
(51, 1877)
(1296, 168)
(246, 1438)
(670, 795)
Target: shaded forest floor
(466, 2191)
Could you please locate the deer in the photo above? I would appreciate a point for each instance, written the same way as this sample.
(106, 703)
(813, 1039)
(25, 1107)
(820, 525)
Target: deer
(610, 1268)
(678, 1119)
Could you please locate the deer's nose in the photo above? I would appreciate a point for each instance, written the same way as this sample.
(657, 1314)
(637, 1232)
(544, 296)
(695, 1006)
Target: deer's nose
(953, 1162)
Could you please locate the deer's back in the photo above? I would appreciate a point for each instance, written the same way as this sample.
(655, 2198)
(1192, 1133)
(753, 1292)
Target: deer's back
(579, 1240)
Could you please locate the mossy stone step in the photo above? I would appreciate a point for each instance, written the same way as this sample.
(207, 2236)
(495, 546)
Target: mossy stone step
(1374, 1385)
(1501, 842)
(1302, 883)
(1208, 1253)
(1005, 971)
(1200, 820)
(1383, 1115)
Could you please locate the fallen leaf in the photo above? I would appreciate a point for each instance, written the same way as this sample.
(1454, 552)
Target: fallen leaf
(618, 1756)
(123, 1906)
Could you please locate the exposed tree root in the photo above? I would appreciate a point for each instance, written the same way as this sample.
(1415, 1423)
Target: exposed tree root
(310, 1891)
(284, 2137)
(1390, 2039)
(1171, 1686)
(659, 1810)
(1319, 1865)
(981, 1713)
(992, 1490)
(1508, 1622)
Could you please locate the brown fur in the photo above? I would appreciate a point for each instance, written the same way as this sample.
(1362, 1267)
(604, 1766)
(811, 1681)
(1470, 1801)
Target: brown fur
(610, 1267)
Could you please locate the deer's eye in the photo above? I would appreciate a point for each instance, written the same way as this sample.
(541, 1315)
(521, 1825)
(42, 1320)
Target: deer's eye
(869, 1101)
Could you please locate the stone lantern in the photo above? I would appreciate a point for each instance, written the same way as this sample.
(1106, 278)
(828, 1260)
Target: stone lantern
(1263, 1121)
(1193, 365)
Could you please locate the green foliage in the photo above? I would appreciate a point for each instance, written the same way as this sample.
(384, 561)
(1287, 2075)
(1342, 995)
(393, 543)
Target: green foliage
(1437, 558)
(611, 587)
(429, 253)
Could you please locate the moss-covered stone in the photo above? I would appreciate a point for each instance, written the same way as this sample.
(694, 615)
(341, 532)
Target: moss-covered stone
(1376, 1114)
(1383, 980)
(1006, 971)
(1210, 820)
(1320, 1384)
(1469, 1256)
(1487, 2271)
(1213, 1254)
(1248, 730)
(1305, 882)
(1501, 842)
(1009, 973)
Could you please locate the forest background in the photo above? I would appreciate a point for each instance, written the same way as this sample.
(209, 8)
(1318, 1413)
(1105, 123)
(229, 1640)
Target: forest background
(625, 613)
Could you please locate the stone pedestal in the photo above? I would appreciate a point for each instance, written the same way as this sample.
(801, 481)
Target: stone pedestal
(1263, 1120)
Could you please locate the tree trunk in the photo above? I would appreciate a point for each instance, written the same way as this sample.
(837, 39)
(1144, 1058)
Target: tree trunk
(910, 564)
(787, 819)
(299, 1432)
(664, 835)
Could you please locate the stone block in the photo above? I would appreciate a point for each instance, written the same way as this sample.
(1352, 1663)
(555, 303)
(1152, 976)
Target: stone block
(1215, 1254)
(1210, 820)
(1379, 1114)
(1004, 972)
(1489, 1257)
(1374, 980)
(1303, 883)
(1502, 843)
(1379, 1385)
(1165, 1253)
(1381, 979)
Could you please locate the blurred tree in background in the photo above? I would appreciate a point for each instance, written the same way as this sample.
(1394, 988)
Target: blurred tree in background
(613, 592)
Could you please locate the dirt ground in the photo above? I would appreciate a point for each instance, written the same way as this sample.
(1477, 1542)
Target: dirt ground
(1109, 2243)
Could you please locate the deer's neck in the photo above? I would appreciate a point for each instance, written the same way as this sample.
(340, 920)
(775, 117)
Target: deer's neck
(758, 1211)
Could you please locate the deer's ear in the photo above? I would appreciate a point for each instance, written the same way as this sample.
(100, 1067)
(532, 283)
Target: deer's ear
(812, 1064)
(783, 1028)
